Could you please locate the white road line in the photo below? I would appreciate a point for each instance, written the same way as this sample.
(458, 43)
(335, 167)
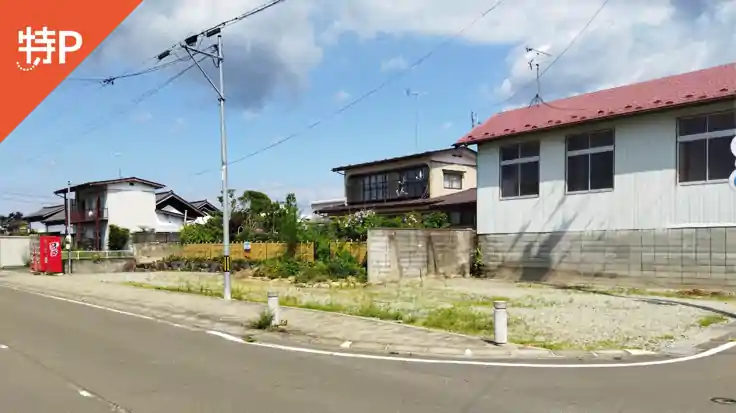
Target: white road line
(230, 337)
(707, 353)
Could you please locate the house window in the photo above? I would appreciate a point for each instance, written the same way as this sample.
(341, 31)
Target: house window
(375, 187)
(590, 159)
(520, 170)
(704, 147)
(453, 180)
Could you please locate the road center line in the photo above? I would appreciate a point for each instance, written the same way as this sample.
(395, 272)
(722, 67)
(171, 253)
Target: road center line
(713, 351)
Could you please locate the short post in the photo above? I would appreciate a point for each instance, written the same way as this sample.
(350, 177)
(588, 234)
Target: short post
(500, 322)
(273, 308)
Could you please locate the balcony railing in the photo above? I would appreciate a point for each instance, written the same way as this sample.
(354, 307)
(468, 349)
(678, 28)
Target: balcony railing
(87, 215)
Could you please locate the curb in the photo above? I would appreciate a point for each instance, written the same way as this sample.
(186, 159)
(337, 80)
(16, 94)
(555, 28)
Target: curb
(478, 353)
(499, 352)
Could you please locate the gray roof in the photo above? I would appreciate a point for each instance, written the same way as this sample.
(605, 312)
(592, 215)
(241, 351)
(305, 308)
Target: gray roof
(44, 213)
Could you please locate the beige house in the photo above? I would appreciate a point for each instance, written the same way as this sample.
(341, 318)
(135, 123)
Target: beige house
(442, 180)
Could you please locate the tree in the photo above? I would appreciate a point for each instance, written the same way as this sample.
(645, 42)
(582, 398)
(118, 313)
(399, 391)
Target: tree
(118, 238)
(288, 224)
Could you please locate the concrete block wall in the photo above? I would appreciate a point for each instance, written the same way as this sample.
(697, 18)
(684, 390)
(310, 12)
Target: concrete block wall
(15, 251)
(687, 256)
(411, 254)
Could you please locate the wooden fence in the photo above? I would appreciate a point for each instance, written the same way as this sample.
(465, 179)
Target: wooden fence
(359, 250)
(268, 250)
(258, 251)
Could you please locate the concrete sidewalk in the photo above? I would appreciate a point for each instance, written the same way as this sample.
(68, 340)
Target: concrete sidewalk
(315, 328)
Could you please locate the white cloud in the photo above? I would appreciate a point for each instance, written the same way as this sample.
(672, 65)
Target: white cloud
(629, 41)
(342, 96)
(250, 114)
(271, 51)
(394, 64)
(142, 117)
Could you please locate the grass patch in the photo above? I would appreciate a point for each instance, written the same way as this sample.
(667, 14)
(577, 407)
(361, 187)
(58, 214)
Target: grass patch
(711, 319)
(479, 301)
(459, 319)
(263, 322)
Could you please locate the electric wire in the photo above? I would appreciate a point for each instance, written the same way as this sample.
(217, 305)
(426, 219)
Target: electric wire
(370, 92)
(105, 121)
(111, 79)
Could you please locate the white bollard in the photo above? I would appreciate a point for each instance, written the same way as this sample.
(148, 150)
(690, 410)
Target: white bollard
(500, 322)
(273, 308)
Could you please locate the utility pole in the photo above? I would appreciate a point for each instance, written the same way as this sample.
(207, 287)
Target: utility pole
(68, 237)
(190, 45)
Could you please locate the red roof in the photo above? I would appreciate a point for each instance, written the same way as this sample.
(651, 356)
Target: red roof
(701, 86)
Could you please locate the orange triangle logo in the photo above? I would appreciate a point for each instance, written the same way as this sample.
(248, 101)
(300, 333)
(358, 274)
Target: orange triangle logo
(40, 46)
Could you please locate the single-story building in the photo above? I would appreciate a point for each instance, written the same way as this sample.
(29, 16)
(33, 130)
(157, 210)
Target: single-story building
(629, 181)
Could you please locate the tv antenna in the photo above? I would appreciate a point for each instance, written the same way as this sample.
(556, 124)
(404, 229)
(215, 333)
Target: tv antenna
(415, 95)
(534, 65)
(473, 119)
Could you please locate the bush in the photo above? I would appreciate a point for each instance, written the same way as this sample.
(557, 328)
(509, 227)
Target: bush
(118, 238)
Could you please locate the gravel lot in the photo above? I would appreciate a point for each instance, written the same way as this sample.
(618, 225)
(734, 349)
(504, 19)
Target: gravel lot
(540, 316)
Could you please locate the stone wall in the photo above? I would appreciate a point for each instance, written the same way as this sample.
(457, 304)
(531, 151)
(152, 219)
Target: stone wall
(405, 254)
(688, 256)
(103, 266)
(148, 252)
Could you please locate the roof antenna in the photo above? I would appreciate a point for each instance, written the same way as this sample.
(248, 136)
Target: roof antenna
(534, 65)
(473, 119)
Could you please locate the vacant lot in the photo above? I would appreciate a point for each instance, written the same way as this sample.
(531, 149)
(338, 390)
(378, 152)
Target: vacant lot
(542, 316)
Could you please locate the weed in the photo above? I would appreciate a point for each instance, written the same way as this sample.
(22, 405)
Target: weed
(263, 322)
(709, 320)
(479, 301)
(459, 319)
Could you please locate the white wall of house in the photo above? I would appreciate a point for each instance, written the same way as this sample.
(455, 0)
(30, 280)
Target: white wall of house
(130, 206)
(646, 194)
(38, 227)
(168, 222)
(202, 220)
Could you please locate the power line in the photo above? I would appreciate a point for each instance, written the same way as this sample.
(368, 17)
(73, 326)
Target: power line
(371, 92)
(559, 56)
(111, 79)
(104, 121)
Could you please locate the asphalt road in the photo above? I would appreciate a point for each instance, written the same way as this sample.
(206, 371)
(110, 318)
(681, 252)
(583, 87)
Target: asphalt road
(65, 357)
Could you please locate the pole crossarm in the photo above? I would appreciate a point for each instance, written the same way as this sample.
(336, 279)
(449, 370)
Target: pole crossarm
(218, 59)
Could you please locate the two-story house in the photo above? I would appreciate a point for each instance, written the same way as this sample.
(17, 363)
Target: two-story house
(630, 181)
(131, 203)
(425, 181)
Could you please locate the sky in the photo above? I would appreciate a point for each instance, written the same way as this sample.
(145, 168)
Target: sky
(313, 61)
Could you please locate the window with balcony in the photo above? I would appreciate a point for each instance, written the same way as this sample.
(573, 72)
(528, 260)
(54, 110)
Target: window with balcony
(590, 159)
(396, 185)
(520, 169)
(704, 147)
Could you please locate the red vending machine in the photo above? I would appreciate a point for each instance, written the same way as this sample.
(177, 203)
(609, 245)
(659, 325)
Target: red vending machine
(51, 261)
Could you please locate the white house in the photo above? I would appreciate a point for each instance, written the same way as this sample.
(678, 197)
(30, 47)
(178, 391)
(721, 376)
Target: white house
(131, 203)
(629, 181)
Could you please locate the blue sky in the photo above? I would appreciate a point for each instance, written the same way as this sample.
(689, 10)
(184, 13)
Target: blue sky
(289, 68)
(86, 132)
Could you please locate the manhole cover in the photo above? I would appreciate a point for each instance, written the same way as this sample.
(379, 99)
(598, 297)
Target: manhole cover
(723, 400)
